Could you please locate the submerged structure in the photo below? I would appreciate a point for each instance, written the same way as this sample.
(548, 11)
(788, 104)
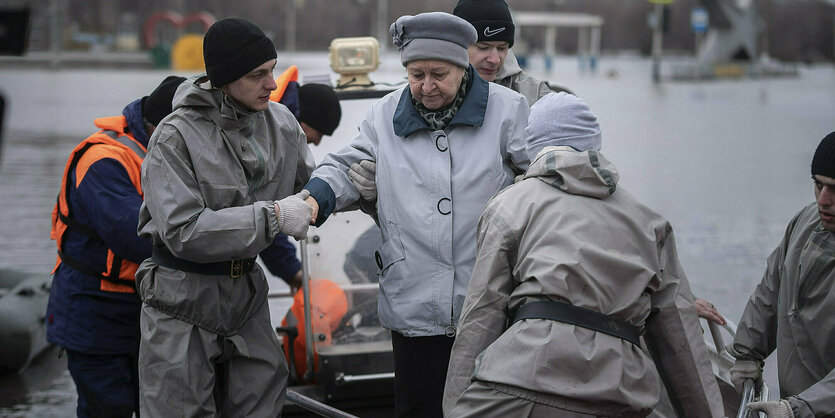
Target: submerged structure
(735, 26)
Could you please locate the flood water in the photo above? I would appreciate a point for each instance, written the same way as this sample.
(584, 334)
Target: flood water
(727, 162)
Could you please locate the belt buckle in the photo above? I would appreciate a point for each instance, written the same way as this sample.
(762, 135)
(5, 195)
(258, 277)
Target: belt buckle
(236, 268)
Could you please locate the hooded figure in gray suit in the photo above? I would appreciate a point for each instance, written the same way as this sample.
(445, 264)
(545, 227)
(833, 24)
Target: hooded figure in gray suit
(570, 272)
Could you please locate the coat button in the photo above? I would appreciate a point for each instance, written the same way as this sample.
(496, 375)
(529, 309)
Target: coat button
(445, 208)
(378, 259)
(441, 143)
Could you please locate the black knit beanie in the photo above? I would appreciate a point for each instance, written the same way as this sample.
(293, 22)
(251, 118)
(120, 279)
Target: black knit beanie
(823, 162)
(233, 47)
(319, 107)
(157, 105)
(491, 19)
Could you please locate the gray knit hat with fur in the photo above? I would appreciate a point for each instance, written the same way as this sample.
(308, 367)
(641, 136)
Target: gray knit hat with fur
(433, 36)
(562, 119)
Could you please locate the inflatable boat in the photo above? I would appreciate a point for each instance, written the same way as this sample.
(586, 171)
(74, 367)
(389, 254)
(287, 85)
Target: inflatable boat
(23, 300)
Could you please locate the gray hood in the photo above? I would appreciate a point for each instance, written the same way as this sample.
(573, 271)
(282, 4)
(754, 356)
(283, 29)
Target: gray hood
(197, 92)
(512, 77)
(510, 66)
(586, 173)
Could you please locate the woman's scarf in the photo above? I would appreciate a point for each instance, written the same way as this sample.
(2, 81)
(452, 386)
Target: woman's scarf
(439, 118)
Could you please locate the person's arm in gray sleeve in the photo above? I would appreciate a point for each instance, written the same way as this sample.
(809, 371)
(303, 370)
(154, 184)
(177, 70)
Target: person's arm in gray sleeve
(675, 339)
(514, 139)
(484, 313)
(756, 333)
(817, 400)
(185, 224)
(330, 184)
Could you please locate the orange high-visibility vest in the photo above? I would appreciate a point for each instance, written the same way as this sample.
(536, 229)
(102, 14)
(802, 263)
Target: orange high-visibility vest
(110, 142)
(290, 74)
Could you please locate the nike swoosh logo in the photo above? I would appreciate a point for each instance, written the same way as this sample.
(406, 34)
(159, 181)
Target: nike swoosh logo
(488, 32)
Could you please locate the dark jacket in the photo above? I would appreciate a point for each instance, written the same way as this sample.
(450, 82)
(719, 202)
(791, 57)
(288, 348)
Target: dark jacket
(80, 315)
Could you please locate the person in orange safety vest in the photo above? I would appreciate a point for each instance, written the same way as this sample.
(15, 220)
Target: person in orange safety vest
(93, 310)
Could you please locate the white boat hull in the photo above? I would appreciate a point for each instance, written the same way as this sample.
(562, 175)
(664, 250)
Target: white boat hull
(22, 317)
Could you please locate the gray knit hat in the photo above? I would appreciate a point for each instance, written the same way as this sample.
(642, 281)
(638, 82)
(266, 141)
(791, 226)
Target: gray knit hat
(562, 119)
(433, 36)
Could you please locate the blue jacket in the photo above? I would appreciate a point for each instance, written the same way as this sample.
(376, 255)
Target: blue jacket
(81, 316)
(280, 258)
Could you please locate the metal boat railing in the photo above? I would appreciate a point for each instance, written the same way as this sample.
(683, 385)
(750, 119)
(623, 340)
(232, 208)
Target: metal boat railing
(747, 396)
(749, 392)
(316, 406)
(308, 327)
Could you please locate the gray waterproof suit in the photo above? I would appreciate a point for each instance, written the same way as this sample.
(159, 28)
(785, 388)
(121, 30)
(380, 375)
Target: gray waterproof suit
(210, 178)
(792, 311)
(512, 77)
(564, 234)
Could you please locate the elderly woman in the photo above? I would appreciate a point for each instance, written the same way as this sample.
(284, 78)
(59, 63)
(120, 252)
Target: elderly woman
(442, 147)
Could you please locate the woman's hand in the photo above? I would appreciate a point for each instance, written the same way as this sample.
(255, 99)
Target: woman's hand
(707, 311)
(314, 205)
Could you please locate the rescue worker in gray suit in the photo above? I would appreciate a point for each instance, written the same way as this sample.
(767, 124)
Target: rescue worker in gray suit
(569, 270)
(791, 310)
(219, 183)
(491, 55)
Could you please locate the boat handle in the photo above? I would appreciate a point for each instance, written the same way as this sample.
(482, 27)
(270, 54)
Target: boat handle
(342, 378)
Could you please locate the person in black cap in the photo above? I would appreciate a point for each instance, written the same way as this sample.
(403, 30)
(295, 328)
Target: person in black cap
(223, 176)
(319, 111)
(491, 55)
(791, 310)
(93, 310)
(315, 105)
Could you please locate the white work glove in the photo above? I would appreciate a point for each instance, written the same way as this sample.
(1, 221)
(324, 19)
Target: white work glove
(772, 409)
(364, 175)
(746, 369)
(293, 215)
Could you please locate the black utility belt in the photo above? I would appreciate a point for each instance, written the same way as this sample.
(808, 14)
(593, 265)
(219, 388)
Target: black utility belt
(581, 317)
(232, 268)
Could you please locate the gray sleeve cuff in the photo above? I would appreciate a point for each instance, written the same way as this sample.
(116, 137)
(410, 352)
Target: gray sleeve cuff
(800, 408)
(272, 220)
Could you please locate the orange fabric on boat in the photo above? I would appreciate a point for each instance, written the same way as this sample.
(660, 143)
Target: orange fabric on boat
(328, 306)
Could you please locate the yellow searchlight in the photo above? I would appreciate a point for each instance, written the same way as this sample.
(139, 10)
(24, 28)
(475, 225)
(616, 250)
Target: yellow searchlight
(353, 59)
